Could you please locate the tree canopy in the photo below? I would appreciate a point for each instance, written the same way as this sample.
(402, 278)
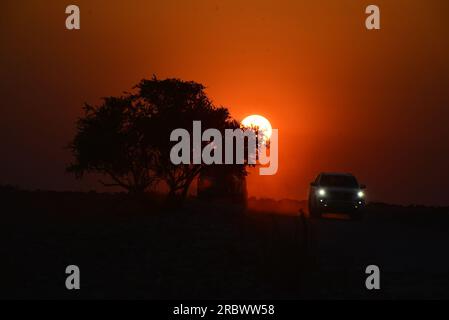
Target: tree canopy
(127, 138)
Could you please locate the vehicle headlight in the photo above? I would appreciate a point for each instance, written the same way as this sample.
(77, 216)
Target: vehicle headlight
(322, 192)
(360, 194)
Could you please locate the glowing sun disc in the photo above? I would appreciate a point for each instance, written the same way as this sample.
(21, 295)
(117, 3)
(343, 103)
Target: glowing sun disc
(260, 122)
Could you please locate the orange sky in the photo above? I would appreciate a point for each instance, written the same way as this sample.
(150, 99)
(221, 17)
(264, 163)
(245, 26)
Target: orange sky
(375, 103)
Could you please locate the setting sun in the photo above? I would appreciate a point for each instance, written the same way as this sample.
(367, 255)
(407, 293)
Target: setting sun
(259, 122)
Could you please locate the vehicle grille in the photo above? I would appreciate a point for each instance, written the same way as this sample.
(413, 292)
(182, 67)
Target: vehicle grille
(341, 195)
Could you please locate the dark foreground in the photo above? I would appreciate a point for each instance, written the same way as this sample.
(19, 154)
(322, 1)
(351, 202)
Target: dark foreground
(141, 249)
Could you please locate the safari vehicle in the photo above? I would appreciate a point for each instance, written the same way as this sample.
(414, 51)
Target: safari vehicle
(336, 193)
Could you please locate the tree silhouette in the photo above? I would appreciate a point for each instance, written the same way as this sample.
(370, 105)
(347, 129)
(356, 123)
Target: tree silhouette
(128, 138)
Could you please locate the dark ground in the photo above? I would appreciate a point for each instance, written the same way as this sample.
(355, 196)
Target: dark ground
(132, 249)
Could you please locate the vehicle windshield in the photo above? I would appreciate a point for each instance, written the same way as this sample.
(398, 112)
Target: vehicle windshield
(339, 181)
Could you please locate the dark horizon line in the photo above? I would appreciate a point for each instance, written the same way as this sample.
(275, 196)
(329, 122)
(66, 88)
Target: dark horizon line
(16, 188)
